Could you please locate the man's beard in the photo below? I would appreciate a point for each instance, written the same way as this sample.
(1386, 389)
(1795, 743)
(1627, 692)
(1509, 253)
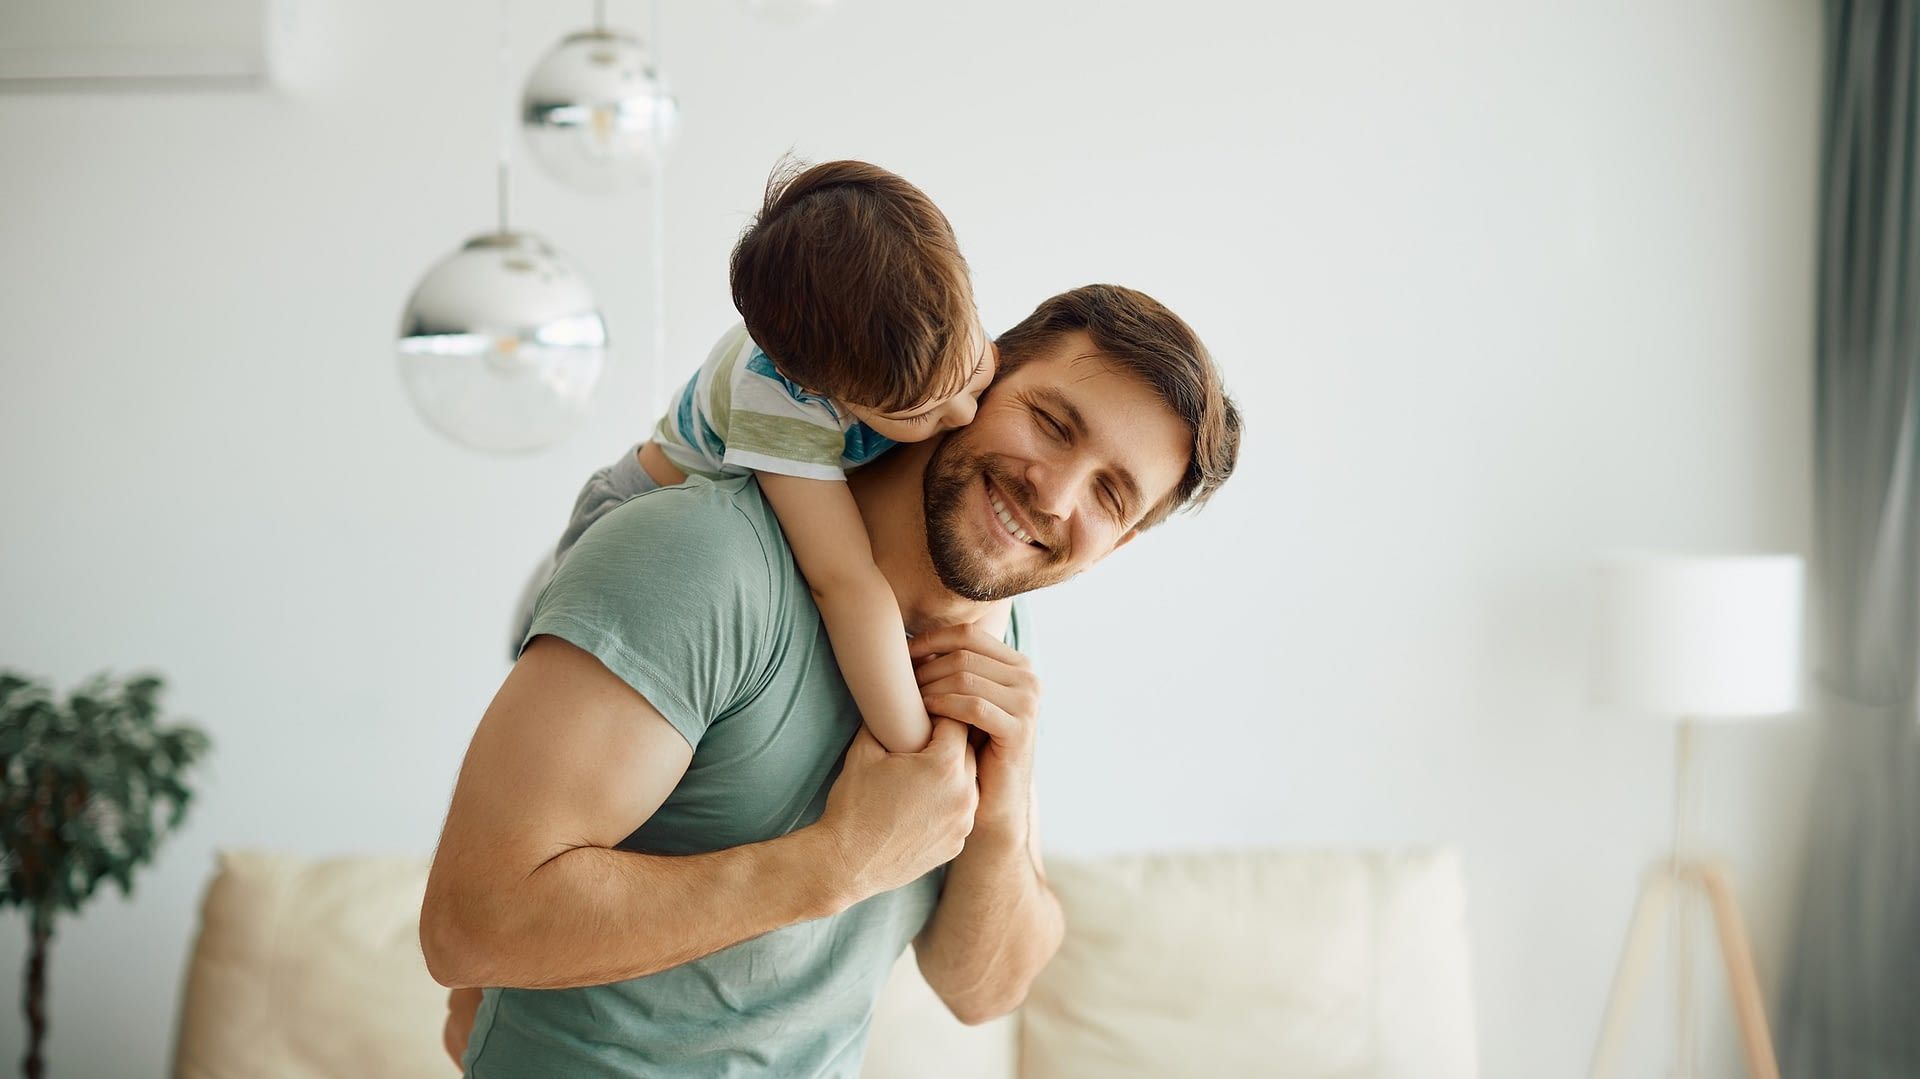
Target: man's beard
(964, 569)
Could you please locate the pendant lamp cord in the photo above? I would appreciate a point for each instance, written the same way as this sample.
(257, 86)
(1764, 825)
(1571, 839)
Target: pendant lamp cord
(658, 226)
(507, 105)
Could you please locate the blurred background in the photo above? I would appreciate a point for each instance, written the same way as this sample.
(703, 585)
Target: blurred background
(1497, 284)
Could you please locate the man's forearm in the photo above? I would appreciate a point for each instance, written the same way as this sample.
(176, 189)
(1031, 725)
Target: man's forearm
(594, 915)
(996, 926)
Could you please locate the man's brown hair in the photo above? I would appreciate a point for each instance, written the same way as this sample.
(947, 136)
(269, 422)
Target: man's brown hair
(1137, 334)
(851, 281)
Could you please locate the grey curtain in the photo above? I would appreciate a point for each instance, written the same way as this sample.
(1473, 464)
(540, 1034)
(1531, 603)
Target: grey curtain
(1851, 1002)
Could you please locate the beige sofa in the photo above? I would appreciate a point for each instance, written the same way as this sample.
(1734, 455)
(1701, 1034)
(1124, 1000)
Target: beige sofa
(1311, 965)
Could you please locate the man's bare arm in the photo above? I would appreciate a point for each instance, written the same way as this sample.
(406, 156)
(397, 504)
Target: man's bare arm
(997, 923)
(528, 891)
(995, 929)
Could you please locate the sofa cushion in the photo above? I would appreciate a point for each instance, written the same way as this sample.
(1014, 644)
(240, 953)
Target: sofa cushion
(310, 969)
(916, 1037)
(313, 968)
(1198, 964)
(1253, 964)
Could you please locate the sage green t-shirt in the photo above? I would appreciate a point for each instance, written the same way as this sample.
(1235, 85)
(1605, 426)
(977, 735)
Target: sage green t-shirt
(690, 595)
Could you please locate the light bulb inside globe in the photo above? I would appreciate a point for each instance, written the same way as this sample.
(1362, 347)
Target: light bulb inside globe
(596, 113)
(501, 345)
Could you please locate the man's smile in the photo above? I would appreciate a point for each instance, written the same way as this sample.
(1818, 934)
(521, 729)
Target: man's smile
(1007, 516)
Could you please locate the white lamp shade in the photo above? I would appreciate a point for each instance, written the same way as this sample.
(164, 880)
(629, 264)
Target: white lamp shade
(1699, 637)
(501, 345)
(597, 114)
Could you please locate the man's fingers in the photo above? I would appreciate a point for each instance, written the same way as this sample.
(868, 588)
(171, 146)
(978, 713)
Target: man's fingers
(965, 635)
(968, 661)
(1011, 700)
(976, 712)
(949, 737)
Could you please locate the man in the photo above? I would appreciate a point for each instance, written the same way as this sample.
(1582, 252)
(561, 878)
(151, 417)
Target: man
(661, 836)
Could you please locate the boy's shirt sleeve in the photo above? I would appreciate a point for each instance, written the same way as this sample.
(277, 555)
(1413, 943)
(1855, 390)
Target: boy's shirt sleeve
(772, 425)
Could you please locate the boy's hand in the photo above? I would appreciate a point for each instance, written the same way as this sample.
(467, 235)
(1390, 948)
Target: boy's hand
(462, 1004)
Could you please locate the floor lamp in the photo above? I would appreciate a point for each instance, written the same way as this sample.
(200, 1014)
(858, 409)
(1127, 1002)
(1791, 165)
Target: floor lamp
(1694, 639)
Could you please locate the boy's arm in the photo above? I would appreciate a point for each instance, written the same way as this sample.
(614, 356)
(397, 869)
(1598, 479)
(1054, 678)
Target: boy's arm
(829, 541)
(527, 889)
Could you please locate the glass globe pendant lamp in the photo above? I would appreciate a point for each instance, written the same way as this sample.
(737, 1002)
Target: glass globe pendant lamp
(501, 344)
(596, 112)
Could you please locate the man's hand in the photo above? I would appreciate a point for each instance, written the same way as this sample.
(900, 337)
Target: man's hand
(895, 816)
(462, 1004)
(968, 674)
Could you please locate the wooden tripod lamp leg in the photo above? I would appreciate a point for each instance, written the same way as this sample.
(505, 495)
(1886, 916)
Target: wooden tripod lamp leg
(1748, 1005)
(1656, 891)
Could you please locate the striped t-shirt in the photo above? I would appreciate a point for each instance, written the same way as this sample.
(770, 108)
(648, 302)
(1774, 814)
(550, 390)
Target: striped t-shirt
(739, 414)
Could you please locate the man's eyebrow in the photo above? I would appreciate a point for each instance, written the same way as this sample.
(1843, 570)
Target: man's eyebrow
(1052, 396)
(1129, 487)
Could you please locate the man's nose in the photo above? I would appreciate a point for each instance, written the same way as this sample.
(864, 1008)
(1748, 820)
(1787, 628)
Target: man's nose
(1054, 485)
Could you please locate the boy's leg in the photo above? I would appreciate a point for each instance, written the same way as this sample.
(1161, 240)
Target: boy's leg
(604, 490)
(462, 1005)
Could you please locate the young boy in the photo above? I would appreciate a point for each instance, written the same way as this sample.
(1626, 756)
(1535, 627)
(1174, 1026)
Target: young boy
(859, 332)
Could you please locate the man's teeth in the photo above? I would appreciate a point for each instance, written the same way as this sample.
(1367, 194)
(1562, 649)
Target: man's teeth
(1006, 521)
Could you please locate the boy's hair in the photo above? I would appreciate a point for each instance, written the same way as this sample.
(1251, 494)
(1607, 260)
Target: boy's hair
(851, 281)
(1137, 334)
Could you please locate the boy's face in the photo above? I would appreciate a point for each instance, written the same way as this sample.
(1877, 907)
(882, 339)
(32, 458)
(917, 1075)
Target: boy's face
(947, 413)
(1068, 456)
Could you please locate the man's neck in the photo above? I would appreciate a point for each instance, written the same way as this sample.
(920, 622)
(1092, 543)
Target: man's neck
(892, 502)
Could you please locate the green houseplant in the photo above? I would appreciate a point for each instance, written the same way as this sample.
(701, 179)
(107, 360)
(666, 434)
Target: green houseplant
(88, 788)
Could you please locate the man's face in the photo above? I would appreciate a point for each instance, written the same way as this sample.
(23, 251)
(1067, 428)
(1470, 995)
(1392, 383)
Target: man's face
(1064, 459)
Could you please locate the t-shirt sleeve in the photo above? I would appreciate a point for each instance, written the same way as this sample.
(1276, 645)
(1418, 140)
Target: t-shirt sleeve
(673, 593)
(773, 426)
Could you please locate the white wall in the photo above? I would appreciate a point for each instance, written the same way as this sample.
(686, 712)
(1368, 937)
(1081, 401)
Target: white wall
(1497, 285)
